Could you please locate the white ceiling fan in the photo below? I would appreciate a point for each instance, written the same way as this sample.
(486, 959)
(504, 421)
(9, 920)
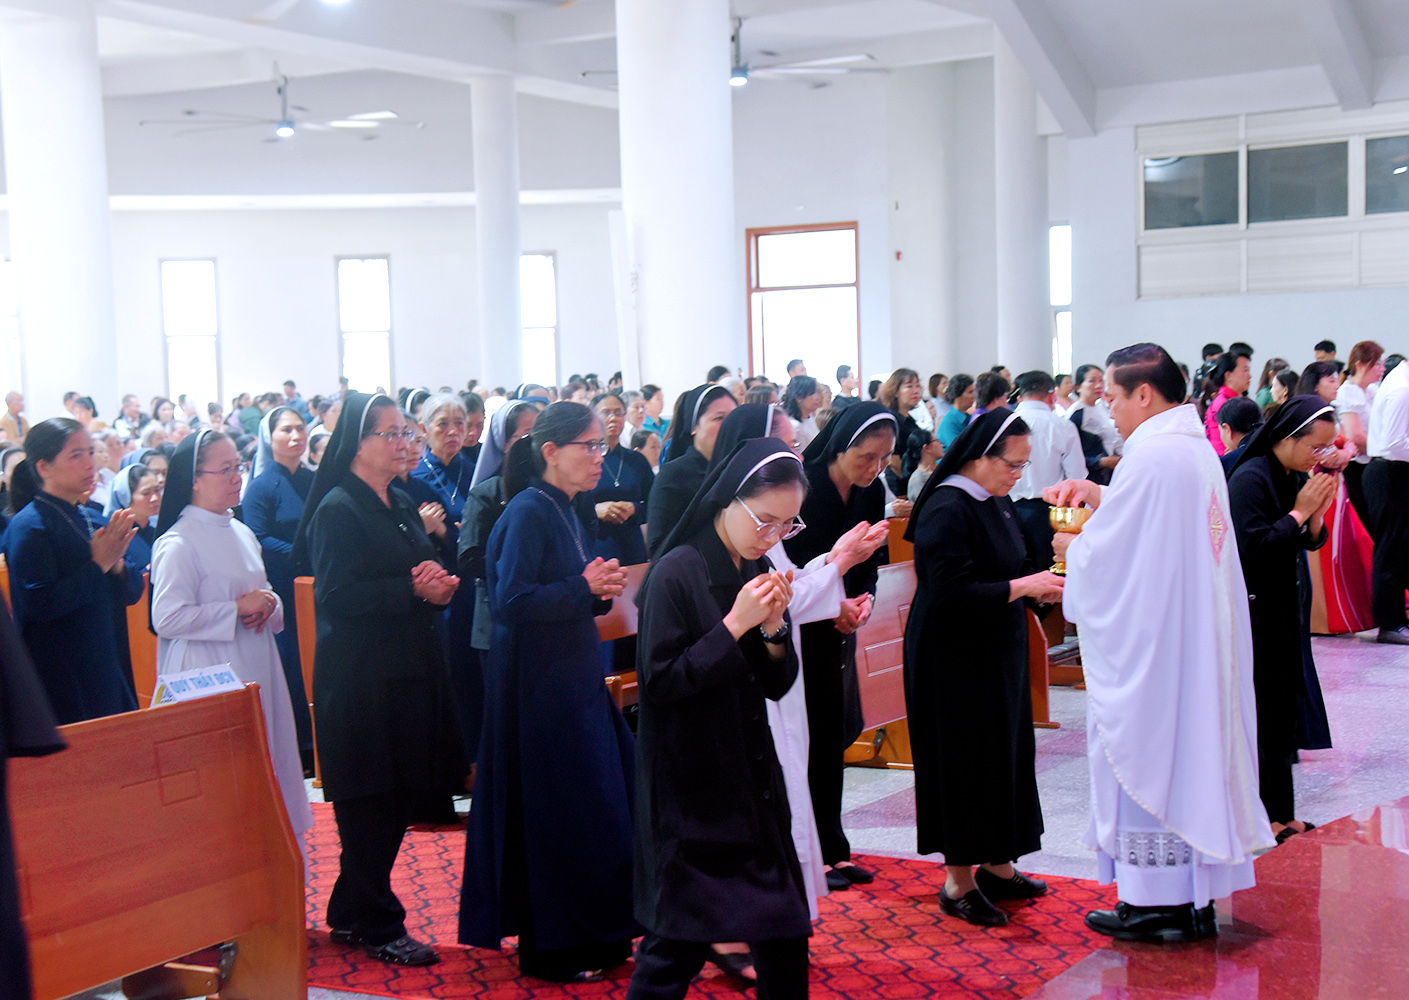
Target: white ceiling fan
(814, 71)
(289, 123)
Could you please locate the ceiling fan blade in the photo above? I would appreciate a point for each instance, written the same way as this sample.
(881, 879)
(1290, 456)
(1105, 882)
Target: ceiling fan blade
(205, 117)
(371, 116)
(843, 60)
(225, 127)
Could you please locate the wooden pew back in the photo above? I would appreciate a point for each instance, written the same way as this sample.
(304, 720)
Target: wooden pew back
(142, 645)
(154, 835)
(880, 647)
(307, 645)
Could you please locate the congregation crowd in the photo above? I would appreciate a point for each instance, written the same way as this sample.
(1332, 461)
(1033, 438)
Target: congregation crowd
(463, 543)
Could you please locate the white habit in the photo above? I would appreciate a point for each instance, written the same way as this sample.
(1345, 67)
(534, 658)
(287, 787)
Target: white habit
(200, 567)
(817, 597)
(1156, 590)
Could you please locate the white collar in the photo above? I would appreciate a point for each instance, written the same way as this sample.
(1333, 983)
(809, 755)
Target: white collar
(966, 484)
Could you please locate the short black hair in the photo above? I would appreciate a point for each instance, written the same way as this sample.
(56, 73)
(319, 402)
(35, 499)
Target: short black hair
(289, 384)
(843, 371)
(1241, 414)
(1240, 350)
(1312, 375)
(957, 386)
(1081, 372)
(1391, 361)
(793, 364)
(874, 387)
(990, 387)
(1147, 364)
(639, 438)
(1212, 351)
(1035, 383)
(1326, 346)
(716, 373)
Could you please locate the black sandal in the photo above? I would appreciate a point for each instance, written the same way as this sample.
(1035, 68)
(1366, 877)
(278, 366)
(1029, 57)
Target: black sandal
(733, 964)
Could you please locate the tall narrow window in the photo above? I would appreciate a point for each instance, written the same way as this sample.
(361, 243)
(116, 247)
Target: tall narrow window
(1059, 247)
(364, 319)
(538, 304)
(804, 300)
(9, 329)
(190, 320)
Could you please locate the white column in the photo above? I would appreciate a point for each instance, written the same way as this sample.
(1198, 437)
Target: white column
(495, 126)
(677, 181)
(56, 180)
(1024, 339)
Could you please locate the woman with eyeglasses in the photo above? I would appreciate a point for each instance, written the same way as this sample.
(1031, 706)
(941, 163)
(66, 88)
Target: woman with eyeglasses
(211, 599)
(387, 736)
(843, 465)
(548, 847)
(966, 675)
(1278, 513)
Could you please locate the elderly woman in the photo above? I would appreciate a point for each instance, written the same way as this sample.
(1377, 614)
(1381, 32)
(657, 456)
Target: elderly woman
(1278, 513)
(966, 677)
(621, 493)
(211, 601)
(381, 691)
(68, 581)
(548, 848)
(688, 447)
(272, 508)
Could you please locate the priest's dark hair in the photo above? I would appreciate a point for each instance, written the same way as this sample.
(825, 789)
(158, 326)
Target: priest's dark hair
(43, 443)
(181, 475)
(1148, 364)
(1311, 377)
(1241, 414)
(1035, 383)
(957, 386)
(990, 388)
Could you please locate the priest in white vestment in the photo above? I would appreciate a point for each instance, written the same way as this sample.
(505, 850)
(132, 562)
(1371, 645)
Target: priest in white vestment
(212, 603)
(1156, 590)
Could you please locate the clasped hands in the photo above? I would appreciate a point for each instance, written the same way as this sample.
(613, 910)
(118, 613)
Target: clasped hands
(605, 578)
(109, 543)
(615, 511)
(761, 601)
(255, 608)
(432, 584)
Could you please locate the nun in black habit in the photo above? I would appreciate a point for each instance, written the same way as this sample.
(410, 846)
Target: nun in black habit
(548, 847)
(715, 859)
(843, 467)
(966, 674)
(387, 735)
(26, 730)
(685, 458)
(1278, 513)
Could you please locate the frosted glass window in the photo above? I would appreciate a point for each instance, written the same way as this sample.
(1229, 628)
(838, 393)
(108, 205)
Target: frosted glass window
(818, 325)
(826, 257)
(190, 320)
(1298, 182)
(538, 304)
(1191, 190)
(1387, 175)
(364, 320)
(1061, 342)
(1059, 255)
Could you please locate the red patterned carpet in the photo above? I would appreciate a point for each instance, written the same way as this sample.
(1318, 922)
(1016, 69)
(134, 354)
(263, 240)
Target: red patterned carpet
(884, 940)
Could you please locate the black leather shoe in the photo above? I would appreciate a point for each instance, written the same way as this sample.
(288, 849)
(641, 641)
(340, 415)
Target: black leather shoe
(856, 875)
(405, 950)
(1019, 886)
(973, 907)
(347, 937)
(1394, 636)
(1206, 922)
(836, 881)
(1169, 924)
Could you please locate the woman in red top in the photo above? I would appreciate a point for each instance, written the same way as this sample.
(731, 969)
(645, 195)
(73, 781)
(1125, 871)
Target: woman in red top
(1232, 375)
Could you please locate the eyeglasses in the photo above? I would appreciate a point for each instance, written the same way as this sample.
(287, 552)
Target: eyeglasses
(1324, 452)
(1015, 466)
(225, 472)
(774, 532)
(405, 436)
(598, 445)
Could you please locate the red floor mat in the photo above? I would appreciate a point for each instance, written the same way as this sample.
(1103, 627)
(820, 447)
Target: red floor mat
(883, 940)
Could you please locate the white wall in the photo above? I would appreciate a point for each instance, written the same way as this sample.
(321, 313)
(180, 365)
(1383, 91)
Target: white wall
(1107, 315)
(973, 198)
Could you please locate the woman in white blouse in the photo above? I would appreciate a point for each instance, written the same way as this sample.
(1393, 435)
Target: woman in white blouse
(1362, 374)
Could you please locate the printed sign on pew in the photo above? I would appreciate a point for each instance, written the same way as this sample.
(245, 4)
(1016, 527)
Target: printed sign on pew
(198, 683)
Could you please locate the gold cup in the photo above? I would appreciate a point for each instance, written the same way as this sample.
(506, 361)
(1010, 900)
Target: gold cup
(1068, 521)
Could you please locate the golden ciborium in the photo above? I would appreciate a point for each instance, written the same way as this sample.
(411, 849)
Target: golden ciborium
(1068, 521)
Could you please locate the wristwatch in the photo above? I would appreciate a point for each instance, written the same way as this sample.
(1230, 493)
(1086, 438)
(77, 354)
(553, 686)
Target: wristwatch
(776, 638)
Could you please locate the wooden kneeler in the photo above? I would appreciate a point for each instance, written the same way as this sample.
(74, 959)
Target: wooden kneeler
(155, 835)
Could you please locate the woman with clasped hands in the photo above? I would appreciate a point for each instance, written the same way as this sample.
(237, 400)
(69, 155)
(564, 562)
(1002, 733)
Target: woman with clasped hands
(548, 847)
(387, 737)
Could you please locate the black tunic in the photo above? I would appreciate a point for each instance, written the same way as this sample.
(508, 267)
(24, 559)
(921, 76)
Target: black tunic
(1272, 547)
(966, 685)
(675, 486)
(381, 692)
(714, 857)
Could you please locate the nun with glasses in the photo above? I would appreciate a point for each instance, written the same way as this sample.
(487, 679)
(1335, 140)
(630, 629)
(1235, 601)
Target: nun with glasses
(1278, 513)
(272, 506)
(211, 599)
(381, 691)
(966, 672)
(715, 858)
(843, 465)
(685, 458)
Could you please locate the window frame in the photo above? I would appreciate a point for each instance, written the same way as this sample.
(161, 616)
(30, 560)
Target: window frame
(171, 393)
(751, 237)
(557, 327)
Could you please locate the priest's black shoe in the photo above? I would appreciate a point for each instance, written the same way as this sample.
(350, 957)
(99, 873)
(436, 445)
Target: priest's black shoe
(1020, 886)
(405, 950)
(1169, 924)
(973, 907)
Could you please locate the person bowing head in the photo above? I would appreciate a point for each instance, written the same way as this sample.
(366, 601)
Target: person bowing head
(685, 459)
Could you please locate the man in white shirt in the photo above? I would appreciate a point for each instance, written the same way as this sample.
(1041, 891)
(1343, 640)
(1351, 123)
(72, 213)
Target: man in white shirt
(1156, 589)
(1056, 455)
(1387, 495)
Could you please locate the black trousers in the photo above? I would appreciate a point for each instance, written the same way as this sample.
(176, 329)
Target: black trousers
(1035, 522)
(1387, 492)
(824, 651)
(664, 968)
(371, 829)
(1354, 476)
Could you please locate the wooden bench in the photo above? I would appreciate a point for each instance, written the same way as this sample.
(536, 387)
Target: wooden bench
(142, 645)
(307, 645)
(620, 623)
(154, 835)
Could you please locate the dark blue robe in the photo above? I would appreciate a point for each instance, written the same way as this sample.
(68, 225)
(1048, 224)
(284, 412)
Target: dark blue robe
(272, 506)
(548, 846)
(626, 475)
(66, 609)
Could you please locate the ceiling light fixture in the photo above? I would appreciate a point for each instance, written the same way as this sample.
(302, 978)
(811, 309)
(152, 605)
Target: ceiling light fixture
(284, 129)
(1400, 170)
(739, 75)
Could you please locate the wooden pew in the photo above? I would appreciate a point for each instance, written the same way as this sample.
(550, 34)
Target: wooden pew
(154, 835)
(1039, 666)
(618, 623)
(900, 550)
(880, 669)
(307, 645)
(142, 645)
